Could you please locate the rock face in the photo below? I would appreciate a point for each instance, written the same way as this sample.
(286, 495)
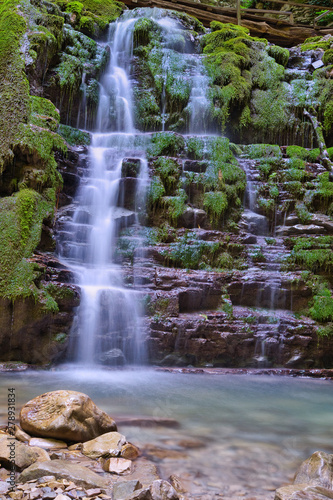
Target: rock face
(313, 480)
(67, 415)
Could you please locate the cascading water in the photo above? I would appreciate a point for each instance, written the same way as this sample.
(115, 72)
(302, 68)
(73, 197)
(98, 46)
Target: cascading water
(107, 326)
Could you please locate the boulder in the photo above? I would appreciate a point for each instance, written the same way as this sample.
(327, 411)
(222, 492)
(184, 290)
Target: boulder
(65, 415)
(317, 470)
(24, 454)
(63, 469)
(107, 445)
(303, 492)
(129, 451)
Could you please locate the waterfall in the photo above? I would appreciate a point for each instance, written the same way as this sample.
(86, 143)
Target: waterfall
(107, 327)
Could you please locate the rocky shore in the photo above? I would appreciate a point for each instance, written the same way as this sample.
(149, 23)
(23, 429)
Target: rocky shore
(67, 448)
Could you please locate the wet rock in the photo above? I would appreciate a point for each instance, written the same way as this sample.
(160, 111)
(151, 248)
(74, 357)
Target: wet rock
(117, 466)
(24, 454)
(123, 490)
(63, 469)
(66, 415)
(298, 229)
(47, 444)
(303, 492)
(316, 470)
(193, 217)
(114, 357)
(107, 445)
(130, 167)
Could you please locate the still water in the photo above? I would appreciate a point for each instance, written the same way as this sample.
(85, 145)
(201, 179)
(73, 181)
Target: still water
(238, 436)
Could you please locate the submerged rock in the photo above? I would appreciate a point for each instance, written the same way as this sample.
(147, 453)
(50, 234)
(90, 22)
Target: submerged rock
(66, 415)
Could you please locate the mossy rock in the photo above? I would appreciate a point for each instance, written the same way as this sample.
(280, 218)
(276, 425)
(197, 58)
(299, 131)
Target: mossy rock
(263, 150)
(166, 144)
(74, 136)
(328, 57)
(279, 54)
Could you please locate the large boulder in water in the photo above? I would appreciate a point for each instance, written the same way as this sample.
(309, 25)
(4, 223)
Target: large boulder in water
(316, 470)
(67, 415)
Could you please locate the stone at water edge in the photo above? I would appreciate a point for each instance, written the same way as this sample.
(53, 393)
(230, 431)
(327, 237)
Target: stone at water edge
(24, 455)
(316, 470)
(63, 469)
(107, 445)
(124, 489)
(304, 492)
(66, 415)
(162, 490)
(129, 451)
(48, 444)
(117, 466)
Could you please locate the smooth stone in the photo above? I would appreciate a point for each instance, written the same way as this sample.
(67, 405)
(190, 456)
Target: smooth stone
(298, 229)
(304, 492)
(144, 471)
(62, 497)
(107, 445)
(316, 470)
(63, 469)
(162, 490)
(129, 451)
(117, 465)
(24, 455)
(47, 444)
(123, 490)
(67, 415)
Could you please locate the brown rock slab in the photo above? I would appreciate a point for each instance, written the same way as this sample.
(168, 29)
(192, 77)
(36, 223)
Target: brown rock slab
(67, 415)
(63, 469)
(107, 445)
(47, 444)
(303, 492)
(24, 454)
(144, 471)
(117, 466)
(316, 470)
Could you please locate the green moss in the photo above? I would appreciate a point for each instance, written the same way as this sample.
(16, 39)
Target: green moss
(166, 144)
(14, 90)
(147, 111)
(44, 113)
(328, 57)
(175, 206)
(156, 192)
(322, 309)
(263, 150)
(298, 152)
(303, 213)
(279, 54)
(168, 171)
(75, 7)
(215, 203)
(315, 43)
(74, 136)
(328, 116)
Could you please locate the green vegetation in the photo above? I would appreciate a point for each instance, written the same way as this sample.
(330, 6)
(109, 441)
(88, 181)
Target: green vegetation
(74, 136)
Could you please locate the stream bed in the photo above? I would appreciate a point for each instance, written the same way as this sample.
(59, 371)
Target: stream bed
(237, 436)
